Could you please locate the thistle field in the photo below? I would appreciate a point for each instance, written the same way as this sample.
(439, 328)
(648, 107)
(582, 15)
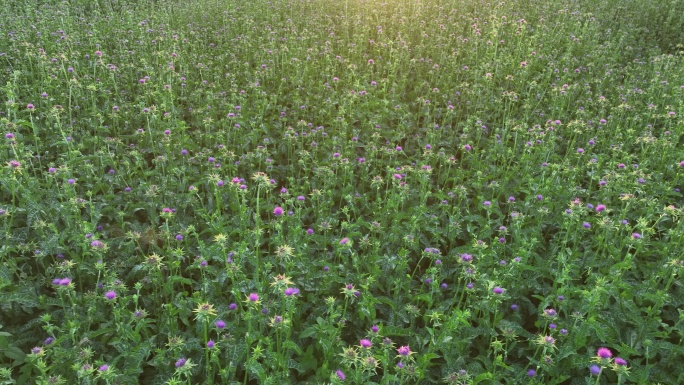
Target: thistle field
(341, 192)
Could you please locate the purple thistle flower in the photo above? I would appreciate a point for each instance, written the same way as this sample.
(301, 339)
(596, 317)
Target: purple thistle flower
(620, 361)
(220, 324)
(365, 343)
(210, 344)
(290, 291)
(594, 370)
(278, 211)
(340, 375)
(498, 290)
(531, 372)
(404, 351)
(110, 295)
(181, 362)
(103, 368)
(344, 241)
(604, 353)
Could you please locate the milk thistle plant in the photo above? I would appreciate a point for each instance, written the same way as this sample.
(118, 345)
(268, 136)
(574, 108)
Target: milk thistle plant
(366, 192)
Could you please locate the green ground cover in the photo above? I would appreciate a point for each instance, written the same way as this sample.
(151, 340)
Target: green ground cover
(364, 192)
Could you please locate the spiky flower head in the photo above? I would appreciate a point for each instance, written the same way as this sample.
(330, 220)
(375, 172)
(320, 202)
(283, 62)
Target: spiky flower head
(285, 251)
(253, 298)
(205, 310)
(545, 341)
(281, 280)
(261, 179)
(404, 351)
(604, 353)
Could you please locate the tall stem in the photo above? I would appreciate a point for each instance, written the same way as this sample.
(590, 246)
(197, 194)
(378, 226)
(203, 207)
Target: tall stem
(257, 223)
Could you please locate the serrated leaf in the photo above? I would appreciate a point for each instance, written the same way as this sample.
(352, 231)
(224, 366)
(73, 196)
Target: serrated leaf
(482, 377)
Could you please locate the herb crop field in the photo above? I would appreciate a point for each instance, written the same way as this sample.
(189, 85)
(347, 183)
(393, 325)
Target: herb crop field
(341, 192)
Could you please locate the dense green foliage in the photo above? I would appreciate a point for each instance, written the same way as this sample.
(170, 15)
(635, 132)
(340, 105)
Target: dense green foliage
(367, 192)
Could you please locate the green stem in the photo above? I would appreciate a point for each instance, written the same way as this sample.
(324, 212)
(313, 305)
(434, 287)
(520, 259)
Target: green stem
(257, 223)
(206, 352)
(598, 376)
